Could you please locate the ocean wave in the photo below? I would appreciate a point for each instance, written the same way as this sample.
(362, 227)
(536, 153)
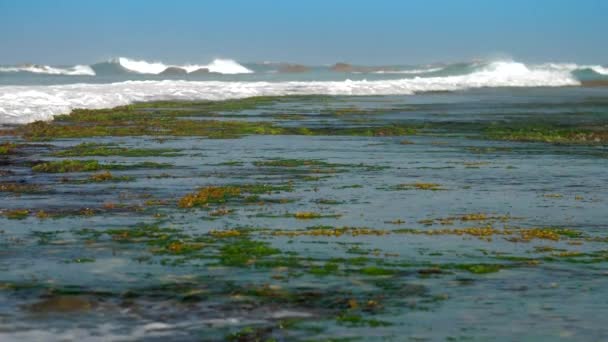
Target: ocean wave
(410, 71)
(77, 70)
(570, 67)
(22, 104)
(221, 66)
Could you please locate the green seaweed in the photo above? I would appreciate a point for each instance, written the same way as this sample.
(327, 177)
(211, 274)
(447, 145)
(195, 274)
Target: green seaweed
(244, 252)
(66, 166)
(105, 150)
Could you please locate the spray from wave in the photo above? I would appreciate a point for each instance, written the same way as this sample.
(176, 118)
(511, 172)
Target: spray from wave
(220, 66)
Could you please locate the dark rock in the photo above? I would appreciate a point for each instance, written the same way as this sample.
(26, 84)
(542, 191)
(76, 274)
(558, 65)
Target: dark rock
(201, 71)
(293, 68)
(173, 71)
(345, 67)
(342, 67)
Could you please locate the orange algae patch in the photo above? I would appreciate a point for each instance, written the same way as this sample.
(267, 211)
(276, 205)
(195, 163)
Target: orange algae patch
(210, 194)
(102, 177)
(178, 247)
(306, 215)
(487, 232)
(225, 233)
(332, 232)
(474, 217)
(426, 186)
(41, 214)
(465, 218)
(418, 186)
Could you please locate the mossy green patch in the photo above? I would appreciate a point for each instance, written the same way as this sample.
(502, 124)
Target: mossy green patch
(376, 271)
(244, 252)
(480, 268)
(65, 166)
(551, 134)
(328, 269)
(17, 214)
(20, 188)
(222, 194)
(418, 186)
(7, 148)
(105, 150)
(355, 320)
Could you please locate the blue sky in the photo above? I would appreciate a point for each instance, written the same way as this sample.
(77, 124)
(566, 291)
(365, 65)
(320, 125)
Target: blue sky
(306, 31)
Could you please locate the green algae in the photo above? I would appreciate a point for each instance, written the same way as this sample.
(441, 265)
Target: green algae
(105, 150)
(222, 194)
(66, 166)
(20, 188)
(108, 177)
(418, 186)
(295, 163)
(251, 334)
(376, 271)
(327, 201)
(355, 320)
(17, 214)
(480, 268)
(551, 134)
(231, 163)
(244, 252)
(167, 119)
(7, 148)
(309, 215)
(329, 268)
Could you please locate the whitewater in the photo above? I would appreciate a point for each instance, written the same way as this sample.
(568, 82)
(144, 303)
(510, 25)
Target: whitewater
(122, 81)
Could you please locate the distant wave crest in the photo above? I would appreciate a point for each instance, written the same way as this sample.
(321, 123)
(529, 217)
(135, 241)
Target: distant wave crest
(46, 69)
(127, 66)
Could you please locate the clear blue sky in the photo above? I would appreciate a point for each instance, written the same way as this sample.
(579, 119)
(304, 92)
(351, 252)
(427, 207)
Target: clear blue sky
(305, 31)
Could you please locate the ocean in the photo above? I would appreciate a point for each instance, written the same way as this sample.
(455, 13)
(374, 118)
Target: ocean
(281, 202)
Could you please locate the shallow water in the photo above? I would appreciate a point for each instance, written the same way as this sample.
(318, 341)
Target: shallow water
(68, 276)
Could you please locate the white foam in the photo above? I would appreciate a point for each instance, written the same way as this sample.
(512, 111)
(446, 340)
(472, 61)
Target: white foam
(227, 66)
(222, 66)
(22, 104)
(142, 67)
(45, 69)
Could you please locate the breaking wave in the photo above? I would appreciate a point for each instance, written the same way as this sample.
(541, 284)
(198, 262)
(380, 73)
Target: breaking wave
(21, 104)
(220, 66)
(45, 69)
